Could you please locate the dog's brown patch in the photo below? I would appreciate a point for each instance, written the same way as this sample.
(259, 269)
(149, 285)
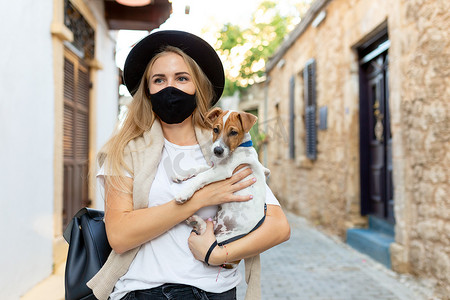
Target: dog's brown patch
(233, 131)
(215, 119)
(236, 125)
(230, 223)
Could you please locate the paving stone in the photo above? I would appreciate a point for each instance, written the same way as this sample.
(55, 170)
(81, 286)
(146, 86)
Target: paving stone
(313, 266)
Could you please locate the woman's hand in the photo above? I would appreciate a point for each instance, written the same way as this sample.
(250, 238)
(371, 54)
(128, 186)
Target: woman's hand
(274, 230)
(128, 228)
(223, 191)
(200, 244)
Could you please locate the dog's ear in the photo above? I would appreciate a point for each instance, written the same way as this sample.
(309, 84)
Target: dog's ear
(247, 120)
(212, 115)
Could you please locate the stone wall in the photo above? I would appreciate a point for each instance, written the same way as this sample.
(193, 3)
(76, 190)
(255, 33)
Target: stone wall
(327, 191)
(422, 48)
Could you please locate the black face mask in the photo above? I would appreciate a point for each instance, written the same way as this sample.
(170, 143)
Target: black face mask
(172, 105)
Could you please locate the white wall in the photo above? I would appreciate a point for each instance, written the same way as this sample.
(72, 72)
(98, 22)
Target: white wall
(27, 136)
(107, 83)
(27, 141)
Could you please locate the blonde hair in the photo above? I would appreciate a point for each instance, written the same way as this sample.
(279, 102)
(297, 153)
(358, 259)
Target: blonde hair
(140, 118)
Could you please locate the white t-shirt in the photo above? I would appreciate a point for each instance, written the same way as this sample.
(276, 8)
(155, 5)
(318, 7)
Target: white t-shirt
(167, 258)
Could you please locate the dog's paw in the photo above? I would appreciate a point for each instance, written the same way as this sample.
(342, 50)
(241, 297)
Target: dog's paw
(186, 193)
(180, 199)
(180, 179)
(184, 196)
(197, 223)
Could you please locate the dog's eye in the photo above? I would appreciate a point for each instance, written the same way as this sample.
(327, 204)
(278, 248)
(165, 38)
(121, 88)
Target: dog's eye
(232, 132)
(216, 130)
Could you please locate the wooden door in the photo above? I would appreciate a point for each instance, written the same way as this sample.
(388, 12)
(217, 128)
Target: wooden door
(76, 135)
(376, 139)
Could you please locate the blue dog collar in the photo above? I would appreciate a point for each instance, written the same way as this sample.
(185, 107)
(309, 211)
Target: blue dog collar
(246, 144)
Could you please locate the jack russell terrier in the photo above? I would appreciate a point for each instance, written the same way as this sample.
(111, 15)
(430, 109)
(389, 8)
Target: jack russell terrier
(232, 147)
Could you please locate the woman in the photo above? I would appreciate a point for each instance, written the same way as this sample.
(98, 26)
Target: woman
(174, 77)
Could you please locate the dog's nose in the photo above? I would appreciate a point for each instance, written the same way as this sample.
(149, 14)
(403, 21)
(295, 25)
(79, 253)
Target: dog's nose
(218, 151)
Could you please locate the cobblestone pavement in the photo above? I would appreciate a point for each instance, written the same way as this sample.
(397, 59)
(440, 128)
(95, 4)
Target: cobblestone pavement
(313, 266)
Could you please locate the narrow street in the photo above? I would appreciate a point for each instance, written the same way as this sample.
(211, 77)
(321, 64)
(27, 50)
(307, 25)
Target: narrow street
(310, 266)
(313, 266)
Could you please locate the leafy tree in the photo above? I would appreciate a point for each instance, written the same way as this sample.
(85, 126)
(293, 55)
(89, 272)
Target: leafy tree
(246, 50)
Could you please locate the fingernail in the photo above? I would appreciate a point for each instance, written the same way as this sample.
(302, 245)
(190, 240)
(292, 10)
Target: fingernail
(209, 219)
(251, 197)
(254, 179)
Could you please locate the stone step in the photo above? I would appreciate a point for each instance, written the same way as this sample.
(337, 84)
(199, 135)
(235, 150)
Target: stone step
(372, 243)
(381, 225)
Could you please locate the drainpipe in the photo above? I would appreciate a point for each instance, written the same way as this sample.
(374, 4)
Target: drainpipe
(266, 105)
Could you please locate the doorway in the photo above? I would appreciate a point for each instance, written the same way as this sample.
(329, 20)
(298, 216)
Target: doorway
(377, 198)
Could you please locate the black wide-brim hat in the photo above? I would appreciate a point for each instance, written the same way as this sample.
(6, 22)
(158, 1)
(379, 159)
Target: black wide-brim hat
(198, 49)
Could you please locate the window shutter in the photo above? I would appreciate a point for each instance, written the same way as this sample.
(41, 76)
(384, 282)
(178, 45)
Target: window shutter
(76, 111)
(83, 88)
(69, 80)
(82, 119)
(309, 78)
(291, 118)
(69, 116)
(76, 135)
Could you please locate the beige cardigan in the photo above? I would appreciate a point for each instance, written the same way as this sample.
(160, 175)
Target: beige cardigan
(143, 155)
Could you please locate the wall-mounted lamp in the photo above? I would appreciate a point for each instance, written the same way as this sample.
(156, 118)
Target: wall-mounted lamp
(134, 2)
(320, 17)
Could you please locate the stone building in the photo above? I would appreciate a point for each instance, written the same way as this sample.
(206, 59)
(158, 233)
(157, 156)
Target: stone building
(356, 111)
